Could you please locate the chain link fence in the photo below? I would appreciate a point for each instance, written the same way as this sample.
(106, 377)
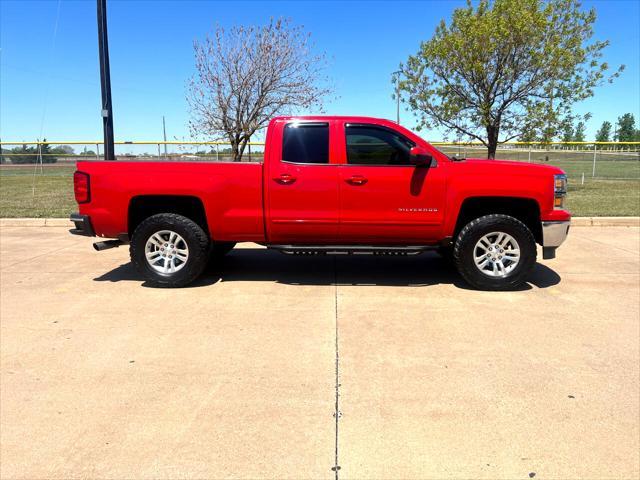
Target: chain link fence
(581, 161)
(36, 177)
(605, 160)
(70, 152)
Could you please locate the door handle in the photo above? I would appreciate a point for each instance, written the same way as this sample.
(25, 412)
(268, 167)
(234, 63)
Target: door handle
(285, 179)
(357, 180)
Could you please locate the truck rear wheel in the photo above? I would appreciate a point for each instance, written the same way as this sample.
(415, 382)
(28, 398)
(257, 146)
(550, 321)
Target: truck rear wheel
(495, 252)
(169, 250)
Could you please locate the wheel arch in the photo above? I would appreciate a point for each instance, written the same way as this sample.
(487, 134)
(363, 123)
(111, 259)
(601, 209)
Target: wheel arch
(527, 210)
(144, 206)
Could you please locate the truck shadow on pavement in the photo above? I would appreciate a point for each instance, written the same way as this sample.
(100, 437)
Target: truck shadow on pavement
(256, 264)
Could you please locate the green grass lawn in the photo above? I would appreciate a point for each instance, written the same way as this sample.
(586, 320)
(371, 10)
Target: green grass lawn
(609, 165)
(625, 169)
(54, 192)
(51, 197)
(605, 198)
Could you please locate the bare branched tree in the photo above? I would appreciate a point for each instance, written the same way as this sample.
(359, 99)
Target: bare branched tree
(246, 75)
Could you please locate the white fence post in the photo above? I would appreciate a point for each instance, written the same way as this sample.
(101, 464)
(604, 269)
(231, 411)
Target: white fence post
(595, 150)
(529, 153)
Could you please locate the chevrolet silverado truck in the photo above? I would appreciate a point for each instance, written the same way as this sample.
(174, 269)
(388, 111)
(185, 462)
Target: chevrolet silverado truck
(328, 185)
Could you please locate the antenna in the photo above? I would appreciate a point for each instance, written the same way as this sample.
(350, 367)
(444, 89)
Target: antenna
(105, 81)
(397, 75)
(164, 131)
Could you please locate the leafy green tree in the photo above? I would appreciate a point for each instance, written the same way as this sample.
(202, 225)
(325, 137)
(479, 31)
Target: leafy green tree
(47, 153)
(579, 133)
(26, 155)
(527, 136)
(63, 150)
(505, 67)
(87, 152)
(3, 158)
(604, 134)
(23, 154)
(45, 150)
(626, 128)
(567, 131)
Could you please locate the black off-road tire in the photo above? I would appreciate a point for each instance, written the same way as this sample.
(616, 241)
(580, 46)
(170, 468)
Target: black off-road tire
(194, 236)
(463, 252)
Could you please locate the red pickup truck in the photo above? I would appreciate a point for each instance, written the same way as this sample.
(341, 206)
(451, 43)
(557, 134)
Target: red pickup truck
(328, 185)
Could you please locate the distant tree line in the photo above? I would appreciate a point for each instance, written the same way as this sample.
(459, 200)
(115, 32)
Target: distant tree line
(625, 130)
(24, 154)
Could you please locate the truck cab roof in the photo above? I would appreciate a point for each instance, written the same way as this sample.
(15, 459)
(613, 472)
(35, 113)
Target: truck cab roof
(327, 118)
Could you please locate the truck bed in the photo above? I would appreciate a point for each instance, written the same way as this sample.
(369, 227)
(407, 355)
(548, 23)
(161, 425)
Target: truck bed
(230, 192)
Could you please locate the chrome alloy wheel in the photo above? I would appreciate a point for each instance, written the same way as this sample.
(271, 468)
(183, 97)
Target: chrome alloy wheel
(166, 251)
(496, 254)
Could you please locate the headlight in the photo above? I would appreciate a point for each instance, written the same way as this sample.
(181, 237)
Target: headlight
(559, 191)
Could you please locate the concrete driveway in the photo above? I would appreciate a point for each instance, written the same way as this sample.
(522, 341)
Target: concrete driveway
(286, 367)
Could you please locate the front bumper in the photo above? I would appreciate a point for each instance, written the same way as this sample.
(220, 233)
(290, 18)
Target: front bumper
(83, 225)
(553, 235)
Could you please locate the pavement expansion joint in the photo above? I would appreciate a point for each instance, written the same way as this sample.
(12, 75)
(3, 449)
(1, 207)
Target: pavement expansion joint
(336, 414)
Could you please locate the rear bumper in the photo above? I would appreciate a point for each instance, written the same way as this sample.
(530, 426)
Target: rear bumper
(82, 225)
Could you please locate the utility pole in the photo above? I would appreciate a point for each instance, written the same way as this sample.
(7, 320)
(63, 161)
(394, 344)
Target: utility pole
(105, 81)
(397, 74)
(164, 131)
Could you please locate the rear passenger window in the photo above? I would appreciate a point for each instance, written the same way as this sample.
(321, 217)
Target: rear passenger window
(306, 143)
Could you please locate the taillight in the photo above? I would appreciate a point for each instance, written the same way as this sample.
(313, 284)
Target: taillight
(81, 187)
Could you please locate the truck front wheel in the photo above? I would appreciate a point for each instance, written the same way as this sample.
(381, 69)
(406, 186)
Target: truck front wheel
(495, 252)
(169, 250)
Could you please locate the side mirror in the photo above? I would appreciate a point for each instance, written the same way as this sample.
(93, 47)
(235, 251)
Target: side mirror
(418, 156)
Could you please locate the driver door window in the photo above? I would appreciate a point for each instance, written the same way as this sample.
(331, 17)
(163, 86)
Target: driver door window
(372, 145)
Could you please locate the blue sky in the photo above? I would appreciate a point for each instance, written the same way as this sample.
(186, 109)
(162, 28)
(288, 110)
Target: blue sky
(50, 83)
